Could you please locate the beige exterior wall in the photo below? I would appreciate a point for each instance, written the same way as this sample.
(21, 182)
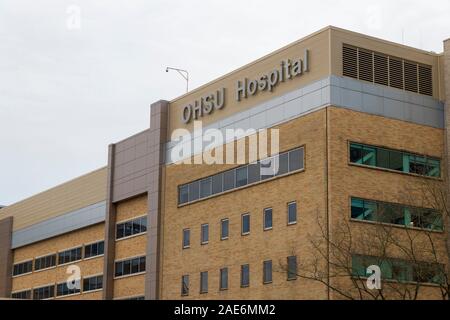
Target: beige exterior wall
(72, 195)
(89, 267)
(317, 43)
(307, 188)
(131, 247)
(340, 36)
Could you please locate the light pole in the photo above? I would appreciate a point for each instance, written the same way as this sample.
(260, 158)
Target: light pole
(183, 73)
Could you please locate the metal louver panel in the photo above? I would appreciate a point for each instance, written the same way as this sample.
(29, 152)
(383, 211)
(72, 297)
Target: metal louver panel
(365, 62)
(385, 70)
(350, 62)
(425, 80)
(396, 73)
(411, 77)
(381, 69)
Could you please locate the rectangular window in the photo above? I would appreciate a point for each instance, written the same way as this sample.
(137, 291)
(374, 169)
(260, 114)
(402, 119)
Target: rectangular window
(205, 233)
(62, 289)
(23, 268)
(186, 238)
(228, 180)
(185, 285)
(241, 177)
(69, 256)
(223, 279)
(292, 268)
(45, 262)
(44, 292)
(394, 160)
(183, 192)
(254, 172)
(399, 270)
(131, 227)
(286, 162)
(296, 159)
(292, 213)
(204, 282)
(194, 191)
(267, 271)
(245, 224)
(130, 266)
(283, 164)
(267, 217)
(224, 226)
(205, 188)
(22, 295)
(93, 283)
(94, 249)
(217, 183)
(245, 275)
(369, 210)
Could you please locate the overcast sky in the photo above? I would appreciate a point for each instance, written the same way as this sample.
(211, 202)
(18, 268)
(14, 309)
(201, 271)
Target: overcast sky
(69, 87)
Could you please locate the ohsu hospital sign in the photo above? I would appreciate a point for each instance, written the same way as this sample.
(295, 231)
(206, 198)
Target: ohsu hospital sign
(246, 88)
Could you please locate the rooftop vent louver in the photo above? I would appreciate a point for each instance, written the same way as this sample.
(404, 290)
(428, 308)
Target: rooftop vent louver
(425, 80)
(382, 69)
(411, 77)
(350, 61)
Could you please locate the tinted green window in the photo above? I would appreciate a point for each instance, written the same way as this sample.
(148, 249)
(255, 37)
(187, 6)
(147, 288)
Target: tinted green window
(394, 160)
(397, 269)
(396, 214)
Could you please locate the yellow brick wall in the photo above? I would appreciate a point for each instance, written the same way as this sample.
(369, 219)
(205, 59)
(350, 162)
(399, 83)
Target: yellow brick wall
(307, 188)
(129, 286)
(346, 180)
(93, 266)
(130, 247)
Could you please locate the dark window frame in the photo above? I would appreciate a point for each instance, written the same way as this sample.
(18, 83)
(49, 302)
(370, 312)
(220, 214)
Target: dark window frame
(229, 177)
(22, 268)
(222, 237)
(70, 255)
(246, 233)
(266, 263)
(125, 266)
(245, 275)
(266, 210)
(353, 145)
(289, 222)
(223, 284)
(204, 285)
(90, 285)
(130, 224)
(186, 246)
(204, 241)
(49, 262)
(184, 285)
(292, 274)
(99, 249)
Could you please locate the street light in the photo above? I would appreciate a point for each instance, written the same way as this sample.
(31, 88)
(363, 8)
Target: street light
(183, 73)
